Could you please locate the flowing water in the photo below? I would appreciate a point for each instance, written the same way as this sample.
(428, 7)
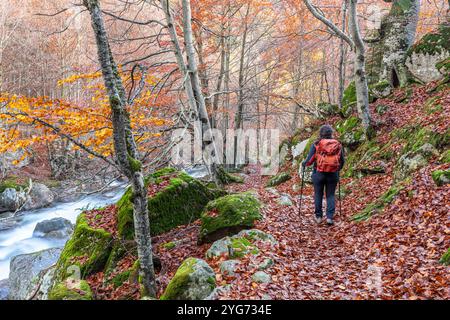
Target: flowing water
(16, 233)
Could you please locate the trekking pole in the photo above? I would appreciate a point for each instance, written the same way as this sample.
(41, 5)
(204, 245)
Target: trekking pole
(340, 199)
(301, 191)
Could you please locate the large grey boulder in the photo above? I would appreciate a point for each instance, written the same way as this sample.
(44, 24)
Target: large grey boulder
(26, 272)
(46, 278)
(56, 228)
(12, 199)
(194, 280)
(40, 196)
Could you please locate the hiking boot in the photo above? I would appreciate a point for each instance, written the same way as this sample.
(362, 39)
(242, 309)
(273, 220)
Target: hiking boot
(330, 222)
(318, 219)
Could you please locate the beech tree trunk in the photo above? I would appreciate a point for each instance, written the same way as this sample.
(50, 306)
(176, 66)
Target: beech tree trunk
(125, 147)
(362, 88)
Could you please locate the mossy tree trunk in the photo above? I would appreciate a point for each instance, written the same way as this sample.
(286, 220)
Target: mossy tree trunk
(125, 147)
(362, 88)
(398, 30)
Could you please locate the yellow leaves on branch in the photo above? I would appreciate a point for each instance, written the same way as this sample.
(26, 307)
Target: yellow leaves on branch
(24, 119)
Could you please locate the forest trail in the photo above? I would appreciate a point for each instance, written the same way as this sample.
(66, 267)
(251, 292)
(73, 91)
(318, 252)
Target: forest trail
(345, 261)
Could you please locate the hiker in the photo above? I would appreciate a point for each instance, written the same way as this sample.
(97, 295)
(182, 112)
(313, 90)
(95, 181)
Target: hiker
(327, 155)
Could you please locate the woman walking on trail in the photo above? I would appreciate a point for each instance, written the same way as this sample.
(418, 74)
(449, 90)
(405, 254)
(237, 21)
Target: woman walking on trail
(327, 155)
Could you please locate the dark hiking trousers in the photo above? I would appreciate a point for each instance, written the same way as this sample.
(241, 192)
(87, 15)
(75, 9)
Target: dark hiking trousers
(325, 181)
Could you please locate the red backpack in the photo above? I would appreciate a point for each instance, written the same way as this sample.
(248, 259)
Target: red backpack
(328, 155)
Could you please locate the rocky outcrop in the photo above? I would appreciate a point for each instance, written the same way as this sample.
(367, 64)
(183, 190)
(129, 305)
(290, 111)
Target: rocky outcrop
(56, 228)
(194, 280)
(26, 272)
(228, 215)
(423, 57)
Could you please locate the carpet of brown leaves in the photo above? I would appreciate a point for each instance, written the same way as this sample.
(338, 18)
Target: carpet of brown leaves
(394, 255)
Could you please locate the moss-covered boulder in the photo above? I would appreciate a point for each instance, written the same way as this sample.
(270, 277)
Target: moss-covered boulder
(327, 109)
(441, 177)
(240, 244)
(414, 160)
(278, 179)
(66, 290)
(226, 177)
(351, 132)
(381, 89)
(88, 249)
(175, 199)
(423, 57)
(194, 280)
(228, 215)
(445, 259)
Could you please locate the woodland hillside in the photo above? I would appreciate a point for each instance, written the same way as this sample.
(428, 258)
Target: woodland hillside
(154, 150)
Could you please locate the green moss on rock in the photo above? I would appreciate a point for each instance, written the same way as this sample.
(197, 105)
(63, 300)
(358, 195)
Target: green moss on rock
(351, 132)
(278, 179)
(227, 178)
(194, 280)
(239, 247)
(178, 203)
(445, 259)
(88, 248)
(65, 291)
(445, 157)
(169, 245)
(434, 42)
(229, 215)
(441, 177)
(11, 183)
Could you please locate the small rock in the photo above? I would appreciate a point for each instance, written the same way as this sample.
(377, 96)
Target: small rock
(285, 200)
(219, 248)
(261, 277)
(194, 280)
(228, 267)
(40, 196)
(57, 228)
(255, 234)
(266, 264)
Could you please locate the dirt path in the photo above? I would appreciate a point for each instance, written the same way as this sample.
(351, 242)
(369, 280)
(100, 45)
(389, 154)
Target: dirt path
(391, 256)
